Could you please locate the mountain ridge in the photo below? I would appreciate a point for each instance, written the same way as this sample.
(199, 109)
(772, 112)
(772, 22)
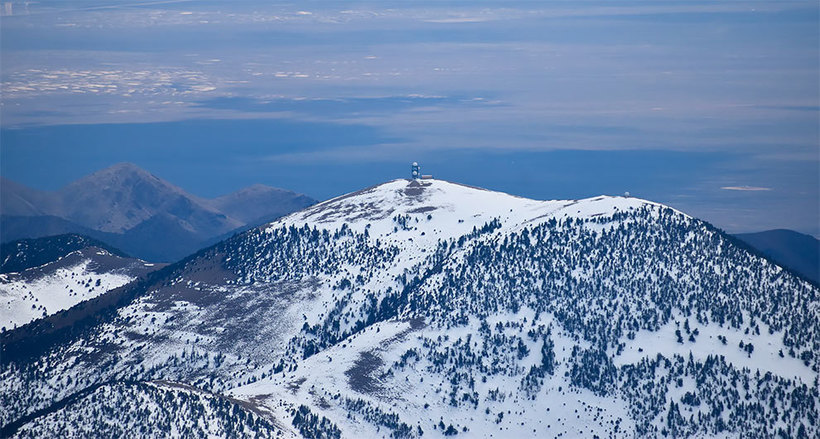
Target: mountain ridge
(46, 276)
(798, 251)
(120, 197)
(23, 254)
(428, 308)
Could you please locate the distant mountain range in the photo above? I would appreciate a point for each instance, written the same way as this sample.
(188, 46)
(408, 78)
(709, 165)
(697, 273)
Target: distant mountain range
(788, 248)
(144, 215)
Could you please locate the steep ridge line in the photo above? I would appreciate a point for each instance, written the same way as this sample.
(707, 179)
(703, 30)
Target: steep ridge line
(39, 336)
(12, 427)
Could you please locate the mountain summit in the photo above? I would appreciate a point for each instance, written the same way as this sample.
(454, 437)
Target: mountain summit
(442, 210)
(120, 197)
(259, 203)
(453, 201)
(138, 212)
(432, 309)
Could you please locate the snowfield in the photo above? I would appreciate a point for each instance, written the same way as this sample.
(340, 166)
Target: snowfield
(440, 209)
(433, 309)
(42, 291)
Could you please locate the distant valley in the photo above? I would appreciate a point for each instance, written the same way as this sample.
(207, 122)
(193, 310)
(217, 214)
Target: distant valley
(139, 213)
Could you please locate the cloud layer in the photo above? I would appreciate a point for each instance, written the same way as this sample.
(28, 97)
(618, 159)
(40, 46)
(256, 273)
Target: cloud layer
(733, 85)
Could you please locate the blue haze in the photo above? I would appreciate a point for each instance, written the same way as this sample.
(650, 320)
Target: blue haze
(692, 104)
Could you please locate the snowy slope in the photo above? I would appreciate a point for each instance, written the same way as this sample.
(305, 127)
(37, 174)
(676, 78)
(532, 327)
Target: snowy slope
(22, 254)
(443, 210)
(79, 276)
(431, 308)
(154, 409)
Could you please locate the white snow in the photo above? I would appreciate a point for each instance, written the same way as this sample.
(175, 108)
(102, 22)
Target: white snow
(558, 408)
(440, 210)
(413, 216)
(23, 301)
(765, 356)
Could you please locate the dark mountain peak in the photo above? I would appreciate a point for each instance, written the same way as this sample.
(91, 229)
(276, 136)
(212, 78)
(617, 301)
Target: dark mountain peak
(257, 190)
(18, 199)
(261, 203)
(6, 183)
(259, 187)
(794, 250)
(122, 196)
(139, 212)
(784, 233)
(19, 255)
(120, 174)
(124, 167)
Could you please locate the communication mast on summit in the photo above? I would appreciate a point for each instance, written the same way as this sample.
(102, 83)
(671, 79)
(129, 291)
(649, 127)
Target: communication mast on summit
(415, 173)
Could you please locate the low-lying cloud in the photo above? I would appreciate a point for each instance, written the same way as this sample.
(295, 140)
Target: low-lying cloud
(746, 188)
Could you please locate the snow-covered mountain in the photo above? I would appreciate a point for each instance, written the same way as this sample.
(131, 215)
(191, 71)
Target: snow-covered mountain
(431, 308)
(16, 256)
(41, 277)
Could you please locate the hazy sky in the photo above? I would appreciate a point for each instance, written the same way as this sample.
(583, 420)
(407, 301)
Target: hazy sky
(710, 107)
